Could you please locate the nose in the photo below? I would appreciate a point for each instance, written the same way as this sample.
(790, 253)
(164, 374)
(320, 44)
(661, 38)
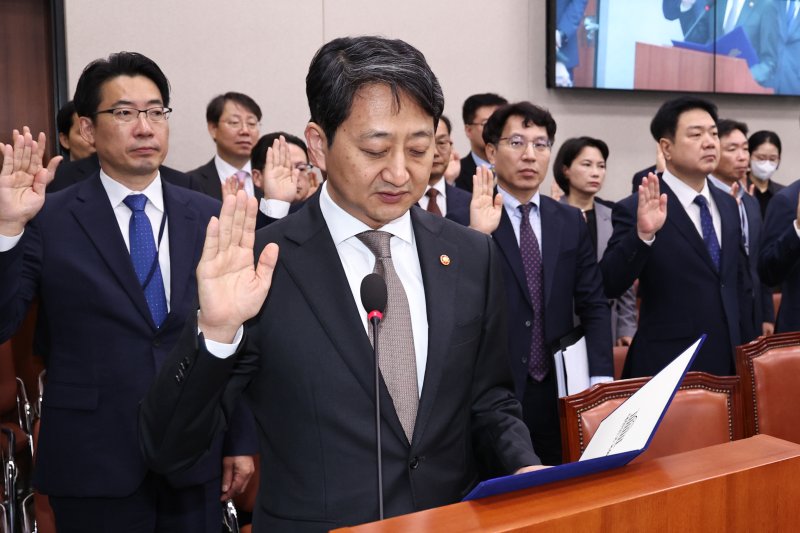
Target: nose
(529, 153)
(396, 171)
(142, 126)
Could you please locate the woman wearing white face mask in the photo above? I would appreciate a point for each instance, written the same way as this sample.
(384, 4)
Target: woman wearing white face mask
(765, 157)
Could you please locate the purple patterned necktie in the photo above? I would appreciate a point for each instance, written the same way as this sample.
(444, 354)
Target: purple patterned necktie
(534, 275)
(707, 225)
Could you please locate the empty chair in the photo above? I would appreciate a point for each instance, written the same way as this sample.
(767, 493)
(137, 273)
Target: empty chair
(705, 411)
(769, 368)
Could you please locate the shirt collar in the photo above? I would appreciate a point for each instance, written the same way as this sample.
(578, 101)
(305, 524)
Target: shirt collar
(725, 187)
(512, 204)
(226, 170)
(342, 225)
(439, 186)
(117, 192)
(685, 194)
(480, 162)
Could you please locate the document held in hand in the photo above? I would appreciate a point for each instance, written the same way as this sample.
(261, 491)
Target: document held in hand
(623, 435)
(571, 364)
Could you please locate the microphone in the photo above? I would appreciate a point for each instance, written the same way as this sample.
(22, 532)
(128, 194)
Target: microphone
(373, 297)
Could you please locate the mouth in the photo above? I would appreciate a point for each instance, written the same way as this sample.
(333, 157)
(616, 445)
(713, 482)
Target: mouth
(528, 172)
(145, 150)
(392, 197)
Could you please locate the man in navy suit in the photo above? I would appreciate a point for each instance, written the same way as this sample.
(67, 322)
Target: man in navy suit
(730, 176)
(441, 198)
(112, 261)
(682, 239)
(233, 120)
(304, 359)
(518, 140)
(475, 112)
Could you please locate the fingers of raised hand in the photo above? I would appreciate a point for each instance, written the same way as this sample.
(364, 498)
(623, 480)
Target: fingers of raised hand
(237, 229)
(226, 215)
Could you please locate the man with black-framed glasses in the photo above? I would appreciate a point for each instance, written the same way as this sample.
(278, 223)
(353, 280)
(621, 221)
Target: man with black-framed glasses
(234, 122)
(112, 262)
(550, 270)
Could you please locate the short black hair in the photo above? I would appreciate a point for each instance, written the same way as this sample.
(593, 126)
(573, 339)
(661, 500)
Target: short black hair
(344, 65)
(531, 114)
(665, 122)
(567, 154)
(447, 123)
(258, 155)
(99, 71)
(764, 136)
(64, 122)
(726, 125)
(217, 105)
(476, 101)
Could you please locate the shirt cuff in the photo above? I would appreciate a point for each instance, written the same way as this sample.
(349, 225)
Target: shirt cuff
(274, 208)
(648, 242)
(796, 230)
(7, 243)
(594, 380)
(223, 350)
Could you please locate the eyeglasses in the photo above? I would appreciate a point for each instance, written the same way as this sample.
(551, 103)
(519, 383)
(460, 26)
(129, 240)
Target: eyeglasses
(237, 124)
(518, 143)
(304, 167)
(127, 115)
(481, 124)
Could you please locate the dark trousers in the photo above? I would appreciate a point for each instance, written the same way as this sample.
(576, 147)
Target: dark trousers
(540, 412)
(155, 507)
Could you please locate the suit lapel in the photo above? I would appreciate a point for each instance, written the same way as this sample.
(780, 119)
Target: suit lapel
(213, 184)
(95, 215)
(678, 217)
(507, 242)
(185, 233)
(551, 242)
(604, 228)
(730, 240)
(315, 266)
(439, 281)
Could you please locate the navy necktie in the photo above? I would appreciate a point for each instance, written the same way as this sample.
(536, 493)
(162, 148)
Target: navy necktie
(534, 275)
(145, 258)
(707, 224)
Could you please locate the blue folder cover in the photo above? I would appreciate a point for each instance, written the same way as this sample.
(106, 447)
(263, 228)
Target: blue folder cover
(735, 43)
(502, 485)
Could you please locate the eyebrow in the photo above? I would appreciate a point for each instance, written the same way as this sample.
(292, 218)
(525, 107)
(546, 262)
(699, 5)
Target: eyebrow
(130, 103)
(381, 134)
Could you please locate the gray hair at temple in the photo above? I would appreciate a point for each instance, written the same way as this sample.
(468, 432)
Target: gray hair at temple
(342, 66)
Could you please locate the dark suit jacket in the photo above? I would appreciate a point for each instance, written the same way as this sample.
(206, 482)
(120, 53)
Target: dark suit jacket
(206, 179)
(457, 205)
(103, 350)
(468, 168)
(706, 25)
(780, 49)
(779, 260)
(763, 198)
(71, 172)
(682, 294)
(572, 283)
(569, 16)
(306, 366)
(639, 176)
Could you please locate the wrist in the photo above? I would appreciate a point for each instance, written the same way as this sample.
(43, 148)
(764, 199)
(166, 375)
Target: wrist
(11, 229)
(222, 333)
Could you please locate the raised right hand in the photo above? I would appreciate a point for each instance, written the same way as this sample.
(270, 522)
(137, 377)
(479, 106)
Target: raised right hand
(23, 180)
(485, 208)
(230, 288)
(652, 211)
(280, 177)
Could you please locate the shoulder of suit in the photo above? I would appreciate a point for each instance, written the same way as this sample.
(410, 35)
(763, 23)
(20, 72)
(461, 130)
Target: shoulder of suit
(457, 192)
(204, 169)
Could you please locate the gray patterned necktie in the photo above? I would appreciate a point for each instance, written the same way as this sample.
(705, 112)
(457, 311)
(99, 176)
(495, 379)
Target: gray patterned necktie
(398, 362)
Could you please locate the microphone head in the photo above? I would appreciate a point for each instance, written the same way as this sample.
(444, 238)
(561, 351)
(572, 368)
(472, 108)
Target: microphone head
(373, 293)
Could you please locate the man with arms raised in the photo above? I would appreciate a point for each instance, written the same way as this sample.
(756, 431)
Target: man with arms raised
(304, 360)
(111, 260)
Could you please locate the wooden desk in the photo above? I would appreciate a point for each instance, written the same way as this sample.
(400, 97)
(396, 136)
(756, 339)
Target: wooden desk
(746, 485)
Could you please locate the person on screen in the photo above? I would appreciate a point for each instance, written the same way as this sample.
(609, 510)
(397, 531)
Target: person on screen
(780, 50)
(765, 158)
(569, 17)
(705, 21)
(304, 359)
(681, 237)
(549, 267)
(729, 176)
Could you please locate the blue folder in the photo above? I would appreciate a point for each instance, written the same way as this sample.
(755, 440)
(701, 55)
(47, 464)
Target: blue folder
(735, 43)
(583, 467)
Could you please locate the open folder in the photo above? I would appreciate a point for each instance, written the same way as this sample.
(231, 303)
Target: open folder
(623, 435)
(735, 43)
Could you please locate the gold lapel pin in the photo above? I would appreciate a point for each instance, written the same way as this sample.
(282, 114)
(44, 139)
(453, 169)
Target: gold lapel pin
(444, 259)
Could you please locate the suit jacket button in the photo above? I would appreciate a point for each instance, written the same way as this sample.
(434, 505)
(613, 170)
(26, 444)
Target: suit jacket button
(414, 463)
(527, 323)
(156, 342)
(524, 360)
(186, 361)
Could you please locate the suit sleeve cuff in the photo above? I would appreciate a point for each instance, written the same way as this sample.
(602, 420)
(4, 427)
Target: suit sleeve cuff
(7, 243)
(274, 208)
(222, 350)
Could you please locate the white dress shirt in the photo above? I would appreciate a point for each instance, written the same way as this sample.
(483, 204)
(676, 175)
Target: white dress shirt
(686, 196)
(154, 209)
(225, 170)
(441, 198)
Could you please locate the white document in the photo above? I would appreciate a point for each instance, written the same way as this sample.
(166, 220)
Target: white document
(572, 368)
(629, 427)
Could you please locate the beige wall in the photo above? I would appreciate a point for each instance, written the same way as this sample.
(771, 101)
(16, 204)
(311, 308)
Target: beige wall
(263, 47)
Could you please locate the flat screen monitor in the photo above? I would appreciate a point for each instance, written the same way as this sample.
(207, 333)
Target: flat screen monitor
(711, 46)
